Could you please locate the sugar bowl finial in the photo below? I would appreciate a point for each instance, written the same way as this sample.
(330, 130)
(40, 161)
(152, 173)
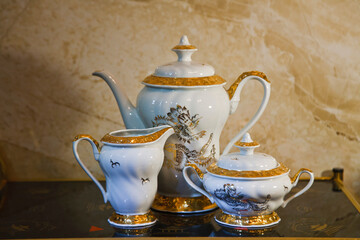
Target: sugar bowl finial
(246, 145)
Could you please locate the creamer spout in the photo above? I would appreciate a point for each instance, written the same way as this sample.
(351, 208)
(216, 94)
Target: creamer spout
(165, 131)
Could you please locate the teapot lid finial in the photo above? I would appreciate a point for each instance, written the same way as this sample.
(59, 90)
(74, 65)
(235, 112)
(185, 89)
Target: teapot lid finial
(184, 71)
(184, 40)
(184, 49)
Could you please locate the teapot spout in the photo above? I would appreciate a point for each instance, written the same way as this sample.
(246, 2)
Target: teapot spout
(128, 112)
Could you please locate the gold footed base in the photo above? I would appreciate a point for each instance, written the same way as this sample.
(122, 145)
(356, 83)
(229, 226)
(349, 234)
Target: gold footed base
(132, 221)
(248, 222)
(182, 204)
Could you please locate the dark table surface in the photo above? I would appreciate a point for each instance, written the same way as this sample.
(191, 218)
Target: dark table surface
(76, 210)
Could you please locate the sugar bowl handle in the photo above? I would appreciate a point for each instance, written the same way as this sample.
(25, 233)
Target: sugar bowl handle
(96, 151)
(294, 182)
(186, 171)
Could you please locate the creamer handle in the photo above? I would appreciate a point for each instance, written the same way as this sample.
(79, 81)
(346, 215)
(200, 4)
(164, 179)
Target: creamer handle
(234, 95)
(294, 182)
(186, 172)
(96, 151)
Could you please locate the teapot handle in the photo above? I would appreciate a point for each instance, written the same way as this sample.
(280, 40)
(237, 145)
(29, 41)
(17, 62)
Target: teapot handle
(234, 94)
(96, 151)
(194, 169)
(294, 182)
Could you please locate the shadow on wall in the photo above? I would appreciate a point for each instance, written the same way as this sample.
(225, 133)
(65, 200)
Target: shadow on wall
(43, 107)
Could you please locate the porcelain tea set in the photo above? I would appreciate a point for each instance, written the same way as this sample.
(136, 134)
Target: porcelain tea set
(168, 159)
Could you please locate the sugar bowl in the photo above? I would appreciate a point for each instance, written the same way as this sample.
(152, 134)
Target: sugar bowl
(247, 186)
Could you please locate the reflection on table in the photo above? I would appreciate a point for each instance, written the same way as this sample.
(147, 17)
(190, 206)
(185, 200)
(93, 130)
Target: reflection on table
(76, 210)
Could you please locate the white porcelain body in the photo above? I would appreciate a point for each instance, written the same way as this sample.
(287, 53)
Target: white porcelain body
(131, 186)
(198, 115)
(251, 189)
(131, 171)
(197, 110)
(190, 145)
(252, 162)
(249, 196)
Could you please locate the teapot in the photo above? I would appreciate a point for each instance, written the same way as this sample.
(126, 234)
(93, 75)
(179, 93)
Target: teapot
(191, 98)
(248, 187)
(131, 161)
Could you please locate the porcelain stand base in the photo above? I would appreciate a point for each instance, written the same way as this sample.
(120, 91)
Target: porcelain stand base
(182, 204)
(248, 222)
(132, 221)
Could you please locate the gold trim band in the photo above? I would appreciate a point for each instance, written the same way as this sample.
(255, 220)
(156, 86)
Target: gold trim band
(184, 47)
(293, 179)
(247, 144)
(134, 139)
(188, 82)
(147, 218)
(182, 204)
(247, 221)
(281, 169)
(89, 137)
(233, 87)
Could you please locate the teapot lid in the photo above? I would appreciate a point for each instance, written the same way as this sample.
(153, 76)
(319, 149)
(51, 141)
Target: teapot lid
(184, 71)
(246, 163)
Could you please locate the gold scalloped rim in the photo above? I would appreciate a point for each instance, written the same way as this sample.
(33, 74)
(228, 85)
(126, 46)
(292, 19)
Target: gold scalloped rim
(233, 87)
(184, 47)
(134, 139)
(188, 82)
(77, 137)
(247, 144)
(260, 220)
(132, 219)
(293, 179)
(281, 169)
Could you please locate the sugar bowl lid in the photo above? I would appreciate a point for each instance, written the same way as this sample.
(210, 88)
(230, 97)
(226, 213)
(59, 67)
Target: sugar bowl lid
(184, 71)
(246, 163)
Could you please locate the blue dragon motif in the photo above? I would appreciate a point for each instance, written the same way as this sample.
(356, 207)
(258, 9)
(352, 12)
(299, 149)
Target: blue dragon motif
(238, 201)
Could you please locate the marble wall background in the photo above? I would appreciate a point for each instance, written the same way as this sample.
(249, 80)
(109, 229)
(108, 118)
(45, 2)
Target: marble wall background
(308, 49)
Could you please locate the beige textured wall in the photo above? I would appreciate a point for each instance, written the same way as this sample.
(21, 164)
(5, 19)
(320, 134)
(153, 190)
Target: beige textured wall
(308, 49)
